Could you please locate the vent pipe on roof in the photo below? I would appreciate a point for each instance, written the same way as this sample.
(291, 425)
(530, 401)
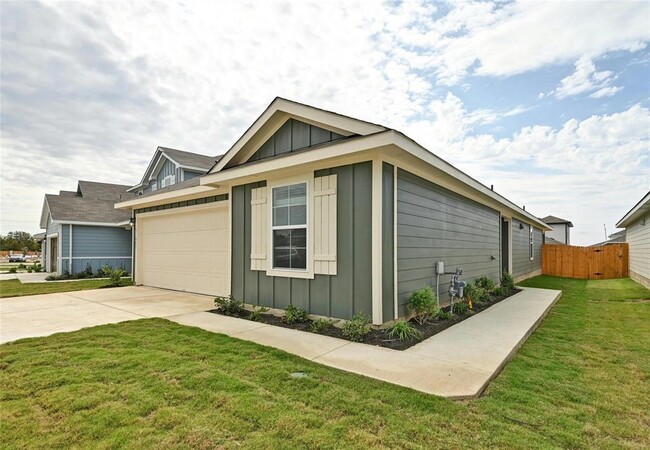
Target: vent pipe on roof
(491, 187)
(524, 207)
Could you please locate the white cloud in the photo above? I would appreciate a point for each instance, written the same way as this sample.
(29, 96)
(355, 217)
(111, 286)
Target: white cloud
(606, 92)
(585, 79)
(493, 39)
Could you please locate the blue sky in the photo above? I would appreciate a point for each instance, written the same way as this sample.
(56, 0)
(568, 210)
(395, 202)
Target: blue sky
(548, 101)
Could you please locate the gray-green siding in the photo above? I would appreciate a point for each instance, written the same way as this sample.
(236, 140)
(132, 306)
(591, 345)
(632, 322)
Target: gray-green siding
(435, 224)
(339, 295)
(521, 263)
(294, 135)
(388, 247)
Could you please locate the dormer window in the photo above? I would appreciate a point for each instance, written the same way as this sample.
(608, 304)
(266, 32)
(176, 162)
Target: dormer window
(168, 180)
(154, 185)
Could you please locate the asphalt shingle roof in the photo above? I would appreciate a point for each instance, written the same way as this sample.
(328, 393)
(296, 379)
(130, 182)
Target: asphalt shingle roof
(191, 159)
(552, 219)
(93, 202)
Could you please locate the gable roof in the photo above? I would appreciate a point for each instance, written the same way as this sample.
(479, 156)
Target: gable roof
(92, 203)
(552, 220)
(637, 211)
(186, 160)
(277, 113)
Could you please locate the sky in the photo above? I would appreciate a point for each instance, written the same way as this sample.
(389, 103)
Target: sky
(547, 101)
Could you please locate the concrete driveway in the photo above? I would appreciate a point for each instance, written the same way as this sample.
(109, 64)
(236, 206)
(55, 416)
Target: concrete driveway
(42, 315)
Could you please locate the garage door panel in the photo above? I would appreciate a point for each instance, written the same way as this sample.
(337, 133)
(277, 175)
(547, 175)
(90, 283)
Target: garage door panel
(185, 250)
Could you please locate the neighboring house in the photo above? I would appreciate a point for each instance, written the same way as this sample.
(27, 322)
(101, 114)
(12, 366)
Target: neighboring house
(551, 241)
(83, 228)
(331, 214)
(614, 238)
(169, 167)
(637, 234)
(560, 229)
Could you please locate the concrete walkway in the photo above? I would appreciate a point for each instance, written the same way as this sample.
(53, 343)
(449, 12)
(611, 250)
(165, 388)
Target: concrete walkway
(457, 363)
(42, 315)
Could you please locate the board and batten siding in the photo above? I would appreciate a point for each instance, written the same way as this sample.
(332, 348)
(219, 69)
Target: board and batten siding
(52, 227)
(340, 295)
(522, 266)
(637, 236)
(435, 224)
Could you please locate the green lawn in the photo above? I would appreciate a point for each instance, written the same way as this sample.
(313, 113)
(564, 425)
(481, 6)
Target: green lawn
(581, 381)
(14, 288)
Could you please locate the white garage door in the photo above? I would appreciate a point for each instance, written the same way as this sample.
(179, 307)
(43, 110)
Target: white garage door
(185, 249)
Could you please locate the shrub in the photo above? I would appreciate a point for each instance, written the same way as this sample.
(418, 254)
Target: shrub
(319, 325)
(13, 270)
(88, 271)
(500, 291)
(403, 331)
(50, 278)
(37, 267)
(293, 314)
(444, 315)
(422, 304)
(30, 269)
(475, 294)
(256, 313)
(229, 306)
(461, 308)
(114, 274)
(507, 282)
(357, 327)
(485, 283)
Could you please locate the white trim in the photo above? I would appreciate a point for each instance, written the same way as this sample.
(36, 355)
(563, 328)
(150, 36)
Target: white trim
(100, 257)
(92, 224)
(162, 197)
(271, 271)
(395, 293)
(59, 245)
(326, 119)
(377, 242)
(70, 247)
(630, 217)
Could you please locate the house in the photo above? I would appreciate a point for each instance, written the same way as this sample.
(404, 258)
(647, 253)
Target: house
(83, 228)
(614, 238)
(331, 214)
(560, 230)
(637, 234)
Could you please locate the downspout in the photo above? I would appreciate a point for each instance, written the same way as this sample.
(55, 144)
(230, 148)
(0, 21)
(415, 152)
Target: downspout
(133, 246)
(70, 250)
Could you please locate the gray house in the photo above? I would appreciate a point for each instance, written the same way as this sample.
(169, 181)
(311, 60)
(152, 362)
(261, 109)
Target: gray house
(83, 228)
(636, 224)
(329, 213)
(560, 232)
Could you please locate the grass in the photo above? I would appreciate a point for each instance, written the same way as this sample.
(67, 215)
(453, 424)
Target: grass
(580, 381)
(14, 288)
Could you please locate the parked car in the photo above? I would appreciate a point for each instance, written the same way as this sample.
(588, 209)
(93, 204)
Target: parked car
(17, 258)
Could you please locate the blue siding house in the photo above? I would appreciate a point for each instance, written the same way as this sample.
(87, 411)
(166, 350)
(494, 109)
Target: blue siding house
(84, 229)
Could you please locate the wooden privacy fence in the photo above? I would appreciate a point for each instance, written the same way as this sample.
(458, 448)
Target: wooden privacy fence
(593, 263)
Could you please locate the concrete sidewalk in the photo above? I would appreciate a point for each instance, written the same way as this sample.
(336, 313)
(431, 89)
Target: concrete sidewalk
(457, 363)
(42, 315)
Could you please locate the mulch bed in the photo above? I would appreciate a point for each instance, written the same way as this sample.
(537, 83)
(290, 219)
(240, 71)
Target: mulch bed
(377, 336)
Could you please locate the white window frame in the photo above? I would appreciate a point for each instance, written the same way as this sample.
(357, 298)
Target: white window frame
(308, 272)
(169, 180)
(531, 252)
(154, 186)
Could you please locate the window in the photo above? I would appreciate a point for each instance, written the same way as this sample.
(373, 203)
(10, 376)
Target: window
(168, 180)
(289, 229)
(530, 248)
(154, 186)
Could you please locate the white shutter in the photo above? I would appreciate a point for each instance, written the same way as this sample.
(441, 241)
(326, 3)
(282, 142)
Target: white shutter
(259, 228)
(324, 204)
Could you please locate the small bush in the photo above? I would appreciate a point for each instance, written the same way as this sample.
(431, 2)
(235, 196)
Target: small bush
(422, 304)
(403, 331)
(22, 266)
(256, 313)
(30, 269)
(50, 278)
(444, 315)
(507, 282)
(357, 327)
(461, 308)
(319, 325)
(500, 291)
(229, 306)
(13, 270)
(293, 314)
(114, 274)
(485, 283)
(37, 267)
(88, 271)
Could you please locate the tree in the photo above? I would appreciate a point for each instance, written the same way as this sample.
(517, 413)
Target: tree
(18, 241)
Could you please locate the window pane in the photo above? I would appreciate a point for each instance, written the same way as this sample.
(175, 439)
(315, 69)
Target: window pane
(282, 258)
(281, 238)
(289, 249)
(281, 216)
(281, 196)
(298, 215)
(299, 238)
(299, 258)
(298, 194)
